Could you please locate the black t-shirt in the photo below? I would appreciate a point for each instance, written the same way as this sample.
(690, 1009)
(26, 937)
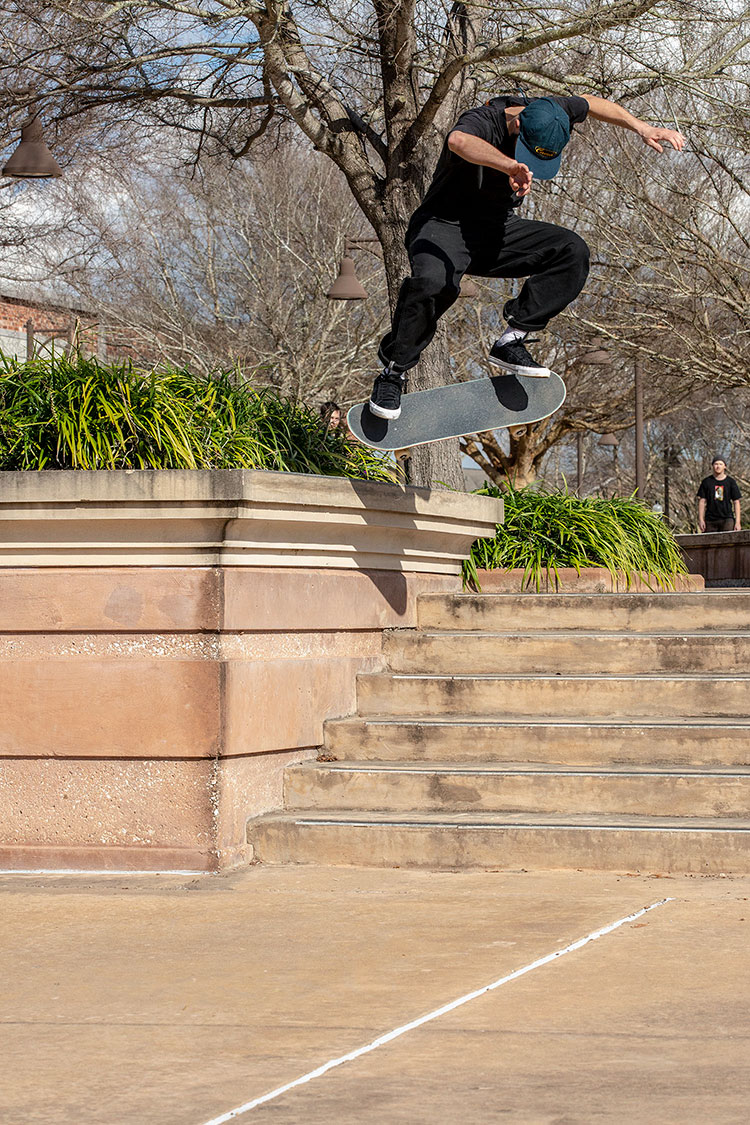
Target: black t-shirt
(719, 495)
(461, 190)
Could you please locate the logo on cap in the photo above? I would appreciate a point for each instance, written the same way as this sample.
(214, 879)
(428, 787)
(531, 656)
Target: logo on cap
(544, 153)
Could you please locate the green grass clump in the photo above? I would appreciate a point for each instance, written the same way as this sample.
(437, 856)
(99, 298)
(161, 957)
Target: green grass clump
(73, 412)
(545, 530)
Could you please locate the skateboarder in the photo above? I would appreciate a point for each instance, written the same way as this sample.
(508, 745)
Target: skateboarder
(467, 223)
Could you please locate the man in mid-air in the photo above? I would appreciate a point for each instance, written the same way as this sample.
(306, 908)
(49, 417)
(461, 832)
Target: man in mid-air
(467, 223)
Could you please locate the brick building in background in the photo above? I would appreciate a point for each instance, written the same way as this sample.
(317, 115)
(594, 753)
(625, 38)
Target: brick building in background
(27, 312)
(24, 315)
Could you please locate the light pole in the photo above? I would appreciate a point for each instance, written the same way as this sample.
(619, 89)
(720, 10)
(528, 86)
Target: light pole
(600, 355)
(640, 470)
(671, 461)
(580, 464)
(597, 356)
(609, 441)
(606, 441)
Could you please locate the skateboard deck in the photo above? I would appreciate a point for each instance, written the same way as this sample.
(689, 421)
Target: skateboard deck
(459, 409)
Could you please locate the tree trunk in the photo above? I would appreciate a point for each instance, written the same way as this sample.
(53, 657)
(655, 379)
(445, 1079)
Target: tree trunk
(523, 457)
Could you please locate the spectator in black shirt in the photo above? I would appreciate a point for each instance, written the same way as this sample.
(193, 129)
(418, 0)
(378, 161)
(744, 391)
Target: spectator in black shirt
(719, 500)
(467, 223)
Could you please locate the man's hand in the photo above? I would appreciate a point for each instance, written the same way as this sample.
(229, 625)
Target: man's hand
(520, 179)
(656, 138)
(601, 109)
(476, 151)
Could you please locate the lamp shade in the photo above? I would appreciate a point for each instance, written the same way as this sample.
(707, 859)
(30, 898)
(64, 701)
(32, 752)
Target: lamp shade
(32, 158)
(468, 288)
(347, 286)
(608, 440)
(597, 356)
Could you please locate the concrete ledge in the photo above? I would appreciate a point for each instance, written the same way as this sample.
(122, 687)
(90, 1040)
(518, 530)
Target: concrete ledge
(171, 641)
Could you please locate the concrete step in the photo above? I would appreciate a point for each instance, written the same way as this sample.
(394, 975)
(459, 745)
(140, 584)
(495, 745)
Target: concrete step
(631, 613)
(408, 650)
(517, 787)
(559, 696)
(576, 741)
(503, 841)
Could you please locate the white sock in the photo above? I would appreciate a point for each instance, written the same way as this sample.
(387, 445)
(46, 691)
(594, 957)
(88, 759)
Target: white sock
(511, 334)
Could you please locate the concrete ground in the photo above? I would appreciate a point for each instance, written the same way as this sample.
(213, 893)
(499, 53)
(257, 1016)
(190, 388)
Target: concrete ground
(172, 1000)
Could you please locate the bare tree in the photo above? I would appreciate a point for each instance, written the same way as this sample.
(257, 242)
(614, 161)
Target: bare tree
(682, 447)
(670, 286)
(32, 222)
(206, 268)
(374, 88)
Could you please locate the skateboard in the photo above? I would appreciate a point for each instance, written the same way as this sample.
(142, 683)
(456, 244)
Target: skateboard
(493, 403)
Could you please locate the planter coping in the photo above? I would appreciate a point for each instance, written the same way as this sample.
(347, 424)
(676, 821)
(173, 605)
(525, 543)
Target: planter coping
(235, 517)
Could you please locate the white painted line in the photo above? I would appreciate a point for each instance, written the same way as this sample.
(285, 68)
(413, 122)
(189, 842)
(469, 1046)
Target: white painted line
(397, 1032)
(83, 871)
(503, 825)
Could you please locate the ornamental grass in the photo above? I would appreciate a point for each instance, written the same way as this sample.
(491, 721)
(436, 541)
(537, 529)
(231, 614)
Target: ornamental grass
(546, 529)
(74, 412)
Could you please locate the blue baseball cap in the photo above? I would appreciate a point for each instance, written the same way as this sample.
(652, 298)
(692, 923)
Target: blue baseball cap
(544, 133)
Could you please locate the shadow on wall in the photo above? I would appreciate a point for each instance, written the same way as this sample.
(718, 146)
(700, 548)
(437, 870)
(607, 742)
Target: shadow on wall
(376, 498)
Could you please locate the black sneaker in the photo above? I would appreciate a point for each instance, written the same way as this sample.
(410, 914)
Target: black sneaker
(385, 400)
(514, 357)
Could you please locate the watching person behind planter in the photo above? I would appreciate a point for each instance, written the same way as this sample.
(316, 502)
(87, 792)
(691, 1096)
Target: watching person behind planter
(719, 500)
(331, 415)
(334, 418)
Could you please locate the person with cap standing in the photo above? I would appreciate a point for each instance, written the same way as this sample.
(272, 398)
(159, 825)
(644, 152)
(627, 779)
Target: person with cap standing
(467, 223)
(719, 500)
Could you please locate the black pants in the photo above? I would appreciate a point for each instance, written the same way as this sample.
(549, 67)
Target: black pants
(555, 261)
(720, 525)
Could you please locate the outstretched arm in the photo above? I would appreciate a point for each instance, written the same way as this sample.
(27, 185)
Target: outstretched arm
(601, 109)
(477, 151)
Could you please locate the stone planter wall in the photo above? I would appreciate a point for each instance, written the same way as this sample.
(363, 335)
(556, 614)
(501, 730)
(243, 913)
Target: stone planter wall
(169, 641)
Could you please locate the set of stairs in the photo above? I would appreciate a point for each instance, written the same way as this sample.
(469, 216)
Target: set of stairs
(604, 731)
